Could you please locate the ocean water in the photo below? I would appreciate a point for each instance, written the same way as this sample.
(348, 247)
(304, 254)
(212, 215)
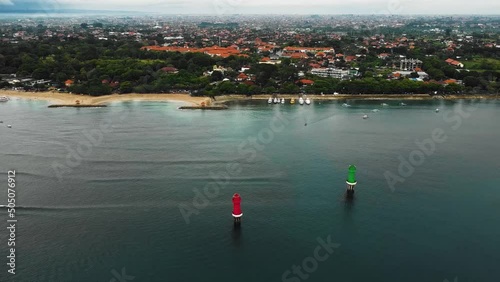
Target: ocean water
(141, 191)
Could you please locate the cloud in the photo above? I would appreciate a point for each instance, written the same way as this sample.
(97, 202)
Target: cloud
(369, 6)
(6, 2)
(270, 7)
(124, 4)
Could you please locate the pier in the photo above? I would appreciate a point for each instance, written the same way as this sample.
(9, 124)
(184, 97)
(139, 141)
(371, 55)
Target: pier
(213, 108)
(77, 106)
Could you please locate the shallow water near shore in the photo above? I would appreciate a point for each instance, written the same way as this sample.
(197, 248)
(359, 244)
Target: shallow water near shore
(118, 206)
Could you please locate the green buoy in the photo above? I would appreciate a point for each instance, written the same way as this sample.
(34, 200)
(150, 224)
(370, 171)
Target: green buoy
(351, 180)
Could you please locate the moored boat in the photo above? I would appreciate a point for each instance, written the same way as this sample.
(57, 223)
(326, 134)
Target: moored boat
(270, 100)
(301, 101)
(292, 101)
(308, 101)
(282, 100)
(4, 99)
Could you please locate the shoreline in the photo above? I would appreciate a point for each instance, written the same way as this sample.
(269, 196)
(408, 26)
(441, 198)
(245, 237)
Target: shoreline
(86, 100)
(368, 97)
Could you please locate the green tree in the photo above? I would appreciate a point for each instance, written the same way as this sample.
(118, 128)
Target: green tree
(40, 73)
(471, 81)
(289, 88)
(126, 87)
(216, 76)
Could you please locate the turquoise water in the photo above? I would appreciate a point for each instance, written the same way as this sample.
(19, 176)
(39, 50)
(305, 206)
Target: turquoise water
(117, 207)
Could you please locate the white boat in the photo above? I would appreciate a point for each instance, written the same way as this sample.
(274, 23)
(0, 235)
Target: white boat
(384, 105)
(402, 104)
(4, 99)
(437, 110)
(276, 100)
(365, 116)
(308, 101)
(345, 105)
(301, 101)
(282, 100)
(375, 110)
(270, 100)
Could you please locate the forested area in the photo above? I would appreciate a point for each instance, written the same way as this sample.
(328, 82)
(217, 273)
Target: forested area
(99, 67)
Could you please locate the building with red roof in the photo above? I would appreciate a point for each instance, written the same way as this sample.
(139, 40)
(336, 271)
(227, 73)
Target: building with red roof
(306, 81)
(242, 77)
(350, 58)
(214, 51)
(454, 63)
(169, 70)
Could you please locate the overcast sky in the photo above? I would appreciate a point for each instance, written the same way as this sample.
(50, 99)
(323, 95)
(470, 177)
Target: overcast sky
(269, 6)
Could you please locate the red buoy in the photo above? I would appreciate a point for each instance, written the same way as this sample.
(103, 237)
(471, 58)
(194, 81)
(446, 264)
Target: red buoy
(237, 205)
(237, 213)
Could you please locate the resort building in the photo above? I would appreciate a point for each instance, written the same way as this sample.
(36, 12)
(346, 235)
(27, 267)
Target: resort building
(332, 72)
(214, 51)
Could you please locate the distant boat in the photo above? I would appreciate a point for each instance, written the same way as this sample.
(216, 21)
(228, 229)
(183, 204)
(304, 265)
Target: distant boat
(282, 100)
(276, 100)
(402, 104)
(437, 110)
(301, 101)
(345, 105)
(384, 105)
(4, 99)
(9, 126)
(270, 100)
(375, 110)
(292, 101)
(365, 116)
(308, 101)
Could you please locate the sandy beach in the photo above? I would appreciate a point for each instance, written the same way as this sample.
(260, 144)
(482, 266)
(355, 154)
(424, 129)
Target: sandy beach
(70, 99)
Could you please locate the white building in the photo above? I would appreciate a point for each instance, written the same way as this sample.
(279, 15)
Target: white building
(331, 72)
(410, 64)
(172, 38)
